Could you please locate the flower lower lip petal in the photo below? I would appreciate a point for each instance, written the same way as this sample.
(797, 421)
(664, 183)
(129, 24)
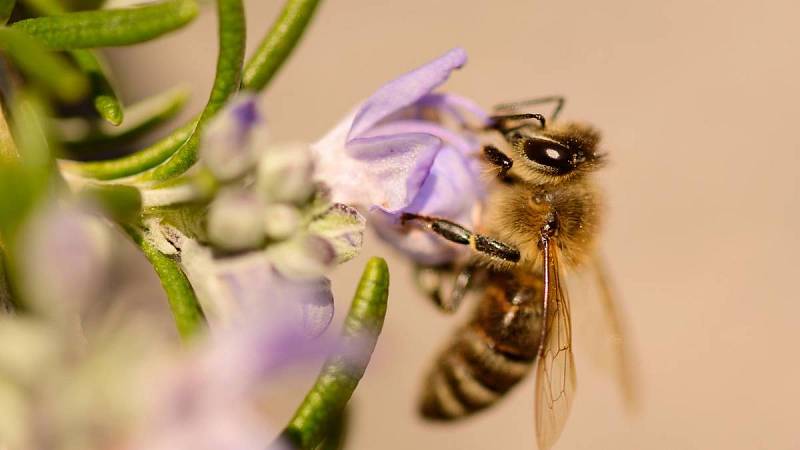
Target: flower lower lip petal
(394, 167)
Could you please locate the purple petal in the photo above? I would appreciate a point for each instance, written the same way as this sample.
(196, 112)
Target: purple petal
(460, 141)
(257, 289)
(420, 245)
(392, 169)
(454, 104)
(314, 297)
(451, 191)
(405, 91)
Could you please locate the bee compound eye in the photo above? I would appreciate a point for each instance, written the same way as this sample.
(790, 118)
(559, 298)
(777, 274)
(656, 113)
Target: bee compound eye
(550, 154)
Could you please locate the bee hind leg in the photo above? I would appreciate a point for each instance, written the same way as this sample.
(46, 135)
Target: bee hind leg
(454, 232)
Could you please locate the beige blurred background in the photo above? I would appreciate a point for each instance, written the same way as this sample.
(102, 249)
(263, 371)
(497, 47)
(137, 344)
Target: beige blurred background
(700, 105)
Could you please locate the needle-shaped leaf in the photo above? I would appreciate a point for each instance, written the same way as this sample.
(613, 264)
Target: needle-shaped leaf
(45, 7)
(8, 149)
(35, 61)
(142, 117)
(232, 38)
(325, 403)
(6, 6)
(278, 43)
(104, 98)
(110, 27)
(135, 163)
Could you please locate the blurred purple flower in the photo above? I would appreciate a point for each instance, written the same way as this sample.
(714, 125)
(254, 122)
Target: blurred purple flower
(381, 155)
(214, 397)
(64, 253)
(407, 149)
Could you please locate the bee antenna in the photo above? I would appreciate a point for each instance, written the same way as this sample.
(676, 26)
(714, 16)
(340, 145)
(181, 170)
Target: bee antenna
(527, 116)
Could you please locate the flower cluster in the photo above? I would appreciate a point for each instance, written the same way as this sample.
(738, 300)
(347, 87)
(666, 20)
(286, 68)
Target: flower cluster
(254, 227)
(269, 234)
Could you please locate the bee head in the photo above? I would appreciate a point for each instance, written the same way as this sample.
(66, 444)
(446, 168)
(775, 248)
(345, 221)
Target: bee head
(557, 153)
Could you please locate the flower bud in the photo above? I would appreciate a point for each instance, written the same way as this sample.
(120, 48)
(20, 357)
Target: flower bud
(285, 173)
(232, 140)
(281, 220)
(235, 220)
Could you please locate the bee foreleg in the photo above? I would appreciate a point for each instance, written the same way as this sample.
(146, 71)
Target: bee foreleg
(454, 232)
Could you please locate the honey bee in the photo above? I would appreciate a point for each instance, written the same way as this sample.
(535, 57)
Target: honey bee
(543, 212)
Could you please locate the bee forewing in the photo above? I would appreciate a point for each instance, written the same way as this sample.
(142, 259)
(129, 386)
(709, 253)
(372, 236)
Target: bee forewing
(555, 371)
(604, 332)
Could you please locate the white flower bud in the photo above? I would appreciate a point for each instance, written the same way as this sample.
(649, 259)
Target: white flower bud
(281, 220)
(235, 220)
(233, 140)
(285, 173)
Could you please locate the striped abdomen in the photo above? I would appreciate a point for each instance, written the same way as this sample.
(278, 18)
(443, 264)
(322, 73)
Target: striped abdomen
(492, 353)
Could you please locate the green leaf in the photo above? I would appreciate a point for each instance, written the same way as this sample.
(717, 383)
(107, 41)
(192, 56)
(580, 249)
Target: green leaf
(142, 117)
(24, 179)
(123, 204)
(232, 38)
(324, 404)
(104, 98)
(45, 7)
(8, 149)
(6, 6)
(135, 163)
(278, 43)
(32, 59)
(183, 302)
(31, 130)
(111, 27)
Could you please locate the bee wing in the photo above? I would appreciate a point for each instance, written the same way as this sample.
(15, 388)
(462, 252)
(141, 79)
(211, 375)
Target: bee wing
(609, 347)
(555, 371)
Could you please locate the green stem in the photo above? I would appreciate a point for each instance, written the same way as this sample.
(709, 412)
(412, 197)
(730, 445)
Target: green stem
(326, 401)
(232, 38)
(278, 43)
(183, 302)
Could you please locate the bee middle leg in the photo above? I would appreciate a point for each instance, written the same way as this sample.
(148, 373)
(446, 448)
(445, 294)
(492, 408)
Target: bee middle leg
(454, 232)
(431, 280)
